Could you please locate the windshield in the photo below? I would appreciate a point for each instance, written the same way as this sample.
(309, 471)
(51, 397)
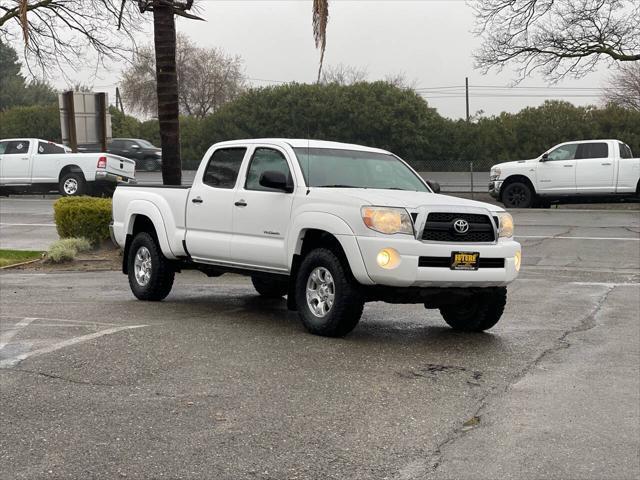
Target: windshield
(145, 144)
(330, 167)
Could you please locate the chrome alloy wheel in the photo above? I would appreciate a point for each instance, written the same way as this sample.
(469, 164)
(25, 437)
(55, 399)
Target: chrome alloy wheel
(142, 266)
(70, 186)
(321, 292)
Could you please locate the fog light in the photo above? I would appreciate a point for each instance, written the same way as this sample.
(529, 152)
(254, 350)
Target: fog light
(388, 258)
(517, 261)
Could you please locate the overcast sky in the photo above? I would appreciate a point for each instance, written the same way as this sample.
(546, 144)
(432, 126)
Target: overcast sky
(429, 41)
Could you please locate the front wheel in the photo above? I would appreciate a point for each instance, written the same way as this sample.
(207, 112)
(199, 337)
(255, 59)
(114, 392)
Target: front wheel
(150, 164)
(517, 195)
(150, 273)
(476, 313)
(328, 298)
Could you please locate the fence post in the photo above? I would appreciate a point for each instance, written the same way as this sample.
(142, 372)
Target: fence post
(471, 174)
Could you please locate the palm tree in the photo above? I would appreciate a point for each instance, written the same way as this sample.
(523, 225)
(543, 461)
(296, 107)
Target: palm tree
(320, 20)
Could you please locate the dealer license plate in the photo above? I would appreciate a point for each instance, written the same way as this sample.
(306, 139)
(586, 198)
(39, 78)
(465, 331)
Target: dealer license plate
(465, 260)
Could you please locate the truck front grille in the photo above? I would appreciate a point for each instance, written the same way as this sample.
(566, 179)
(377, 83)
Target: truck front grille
(440, 228)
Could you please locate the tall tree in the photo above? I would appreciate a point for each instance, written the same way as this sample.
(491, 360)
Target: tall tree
(207, 79)
(57, 33)
(556, 37)
(320, 19)
(624, 87)
(164, 40)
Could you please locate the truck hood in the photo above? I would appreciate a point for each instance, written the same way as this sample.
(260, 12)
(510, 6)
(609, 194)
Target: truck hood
(398, 198)
(516, 164)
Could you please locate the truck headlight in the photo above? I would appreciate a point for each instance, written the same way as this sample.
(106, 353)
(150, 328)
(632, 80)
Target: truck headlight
(505, 228)
(387, 220)
(494, 174)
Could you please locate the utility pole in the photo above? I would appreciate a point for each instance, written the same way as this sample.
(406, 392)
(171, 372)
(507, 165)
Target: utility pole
(466, 88)
(119, 100)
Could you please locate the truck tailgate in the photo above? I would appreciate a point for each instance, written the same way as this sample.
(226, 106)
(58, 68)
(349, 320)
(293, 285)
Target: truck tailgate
(120, 166)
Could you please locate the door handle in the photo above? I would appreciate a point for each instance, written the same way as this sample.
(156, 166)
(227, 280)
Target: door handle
(240, 203)
(568, 166)
(605, 163)
(197, 200)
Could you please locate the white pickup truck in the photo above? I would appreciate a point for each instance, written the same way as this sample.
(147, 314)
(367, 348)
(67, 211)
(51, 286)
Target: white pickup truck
(571, 171)
(31, 164)
(330, 225)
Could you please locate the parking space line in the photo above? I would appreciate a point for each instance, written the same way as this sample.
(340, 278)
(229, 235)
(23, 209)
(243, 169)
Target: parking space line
(27, 224)
(6, 337)
(66, 320)
(66, 343)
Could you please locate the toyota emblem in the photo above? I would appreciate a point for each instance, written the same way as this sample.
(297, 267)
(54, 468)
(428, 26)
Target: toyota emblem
(461, 226)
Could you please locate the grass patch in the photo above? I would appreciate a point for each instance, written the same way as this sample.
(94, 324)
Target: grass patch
(11, 257)
(66, 249)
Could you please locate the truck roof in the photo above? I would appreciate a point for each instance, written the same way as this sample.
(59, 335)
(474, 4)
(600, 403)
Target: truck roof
(303, 143)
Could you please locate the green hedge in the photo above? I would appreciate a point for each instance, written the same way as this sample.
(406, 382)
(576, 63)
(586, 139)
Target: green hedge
(86, 217)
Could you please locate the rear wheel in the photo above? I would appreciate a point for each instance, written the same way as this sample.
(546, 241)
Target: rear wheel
(517, 195)
(479, 312)
(72, 184)
(150, 273)
(149, 164)
(328, 298)
(270, 287)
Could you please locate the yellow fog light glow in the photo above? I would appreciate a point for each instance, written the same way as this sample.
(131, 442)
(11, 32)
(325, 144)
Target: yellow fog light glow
(506, 225)
(388, 258)
(517, 260)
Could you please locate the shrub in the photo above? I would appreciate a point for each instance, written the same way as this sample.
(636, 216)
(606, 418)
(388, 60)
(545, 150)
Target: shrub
(67, 249)
(85, 217)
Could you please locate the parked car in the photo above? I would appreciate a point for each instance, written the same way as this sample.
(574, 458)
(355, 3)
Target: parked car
(147, 156)
(330, 225)
(32, 164)
(572, 171)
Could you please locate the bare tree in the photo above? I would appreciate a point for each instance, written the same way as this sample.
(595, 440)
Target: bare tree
(556, 37)
(343, 74)
(624, 87)
(207, 79)
(58, 33)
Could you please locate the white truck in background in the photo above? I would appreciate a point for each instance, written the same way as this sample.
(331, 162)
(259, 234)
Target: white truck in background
(571, 171)
(330, 225)
(35, 165)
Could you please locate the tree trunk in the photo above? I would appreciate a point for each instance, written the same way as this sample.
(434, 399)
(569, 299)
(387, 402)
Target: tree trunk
(164, 37)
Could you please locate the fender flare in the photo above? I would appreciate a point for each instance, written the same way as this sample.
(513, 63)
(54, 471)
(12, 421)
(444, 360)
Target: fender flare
(149, 210)
(335, 226)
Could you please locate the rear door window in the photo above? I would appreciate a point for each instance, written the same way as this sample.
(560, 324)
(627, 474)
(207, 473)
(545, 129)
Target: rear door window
(223, 167)
(46, 148)
(592, 150)
(3, 147)
(17, 147)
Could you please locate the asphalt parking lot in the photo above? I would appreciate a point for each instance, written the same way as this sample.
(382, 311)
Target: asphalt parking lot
(216, 382)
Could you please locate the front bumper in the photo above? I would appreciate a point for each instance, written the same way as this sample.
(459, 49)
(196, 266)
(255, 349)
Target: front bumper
(494, 188)
(112, 235)
(102, 176)
(408, 273)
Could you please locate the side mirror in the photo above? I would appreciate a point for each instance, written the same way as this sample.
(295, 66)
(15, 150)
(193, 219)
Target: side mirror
(435, 186)
(275, 180)
(545, 157)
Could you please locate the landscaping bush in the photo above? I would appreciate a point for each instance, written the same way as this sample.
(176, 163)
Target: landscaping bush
(85, 217)
(66, 249)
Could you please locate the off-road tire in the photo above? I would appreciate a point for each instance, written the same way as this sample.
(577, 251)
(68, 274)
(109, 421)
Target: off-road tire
(477, 313)
(162, 272)
(65, 187)
(270, 287)
(518, 195)
(348, 303)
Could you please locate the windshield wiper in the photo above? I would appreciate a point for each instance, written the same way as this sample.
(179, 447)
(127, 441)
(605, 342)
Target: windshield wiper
(338, 186)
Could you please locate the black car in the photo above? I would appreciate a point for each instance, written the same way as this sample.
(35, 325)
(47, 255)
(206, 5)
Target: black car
(146, 155)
